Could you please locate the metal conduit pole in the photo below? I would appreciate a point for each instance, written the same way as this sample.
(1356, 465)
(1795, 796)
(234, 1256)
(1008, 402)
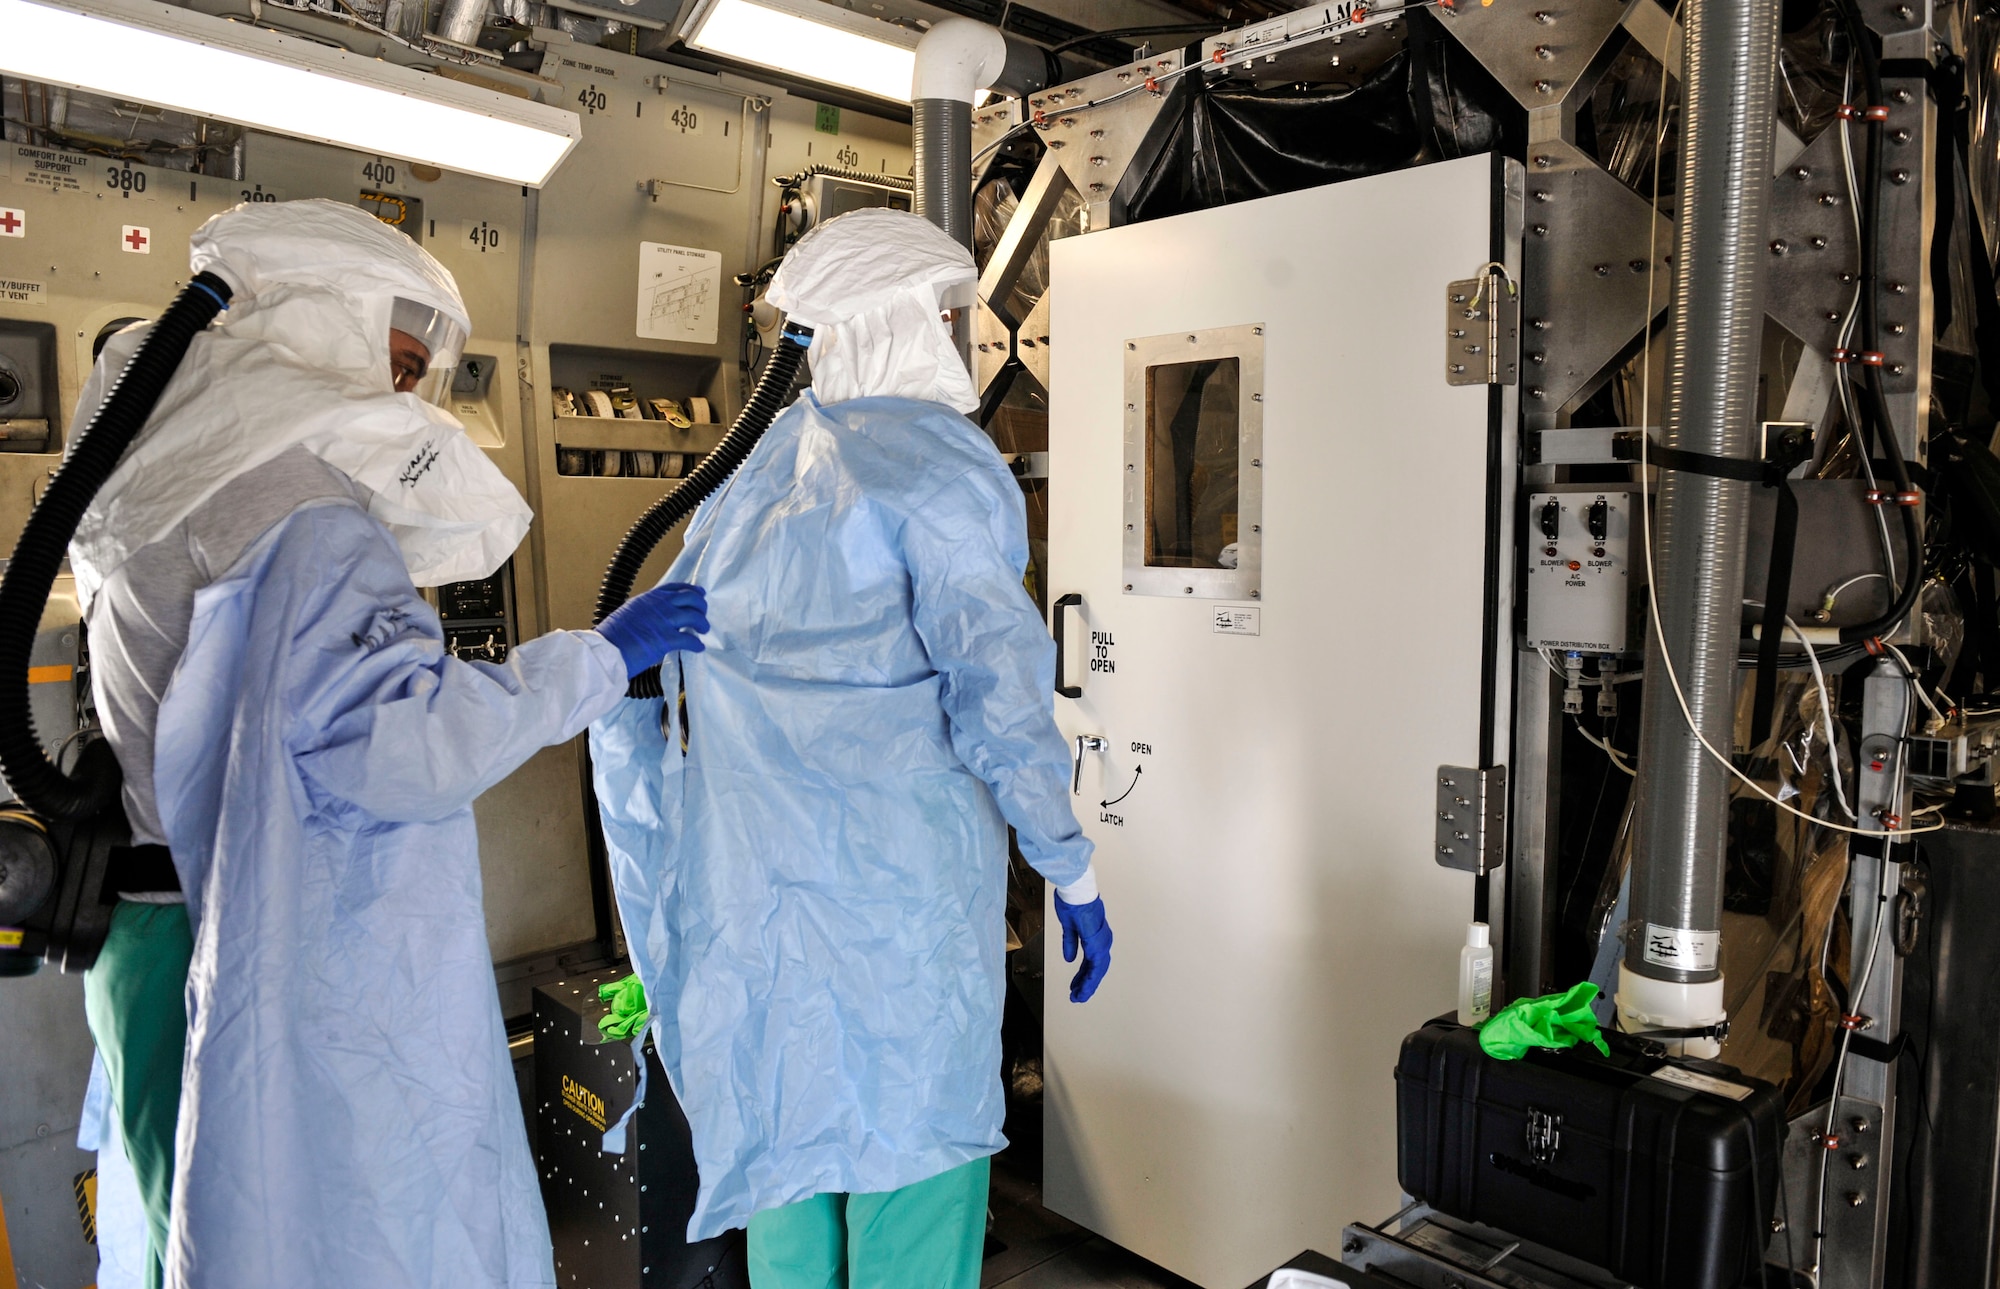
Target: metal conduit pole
(1671, 976)
(941, 134)
(956, 59)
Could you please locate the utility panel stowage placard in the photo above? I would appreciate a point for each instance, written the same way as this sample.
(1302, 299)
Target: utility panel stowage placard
(679, 291)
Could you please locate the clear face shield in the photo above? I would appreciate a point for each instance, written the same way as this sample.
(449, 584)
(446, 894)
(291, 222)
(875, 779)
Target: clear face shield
(424, 349)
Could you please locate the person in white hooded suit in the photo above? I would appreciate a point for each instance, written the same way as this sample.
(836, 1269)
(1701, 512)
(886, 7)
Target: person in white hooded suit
(300, 754)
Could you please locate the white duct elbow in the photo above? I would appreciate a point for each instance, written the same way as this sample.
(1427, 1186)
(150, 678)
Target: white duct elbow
(956, 59)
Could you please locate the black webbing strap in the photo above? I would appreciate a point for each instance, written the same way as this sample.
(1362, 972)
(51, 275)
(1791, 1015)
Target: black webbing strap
(1777, 594)
(138, 870)
(1717, 1031)
(1784, 453)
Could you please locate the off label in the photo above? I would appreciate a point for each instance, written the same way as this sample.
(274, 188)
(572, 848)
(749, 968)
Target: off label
(1101, 659)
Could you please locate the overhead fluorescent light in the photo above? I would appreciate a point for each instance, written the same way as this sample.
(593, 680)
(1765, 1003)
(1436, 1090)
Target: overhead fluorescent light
(191, 62)
(809, 40)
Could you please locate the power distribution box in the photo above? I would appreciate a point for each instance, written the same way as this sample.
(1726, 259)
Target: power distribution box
(1579, 579)
(618, 1221)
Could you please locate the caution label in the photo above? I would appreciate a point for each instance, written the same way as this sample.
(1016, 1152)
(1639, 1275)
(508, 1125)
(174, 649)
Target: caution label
(586, 1104)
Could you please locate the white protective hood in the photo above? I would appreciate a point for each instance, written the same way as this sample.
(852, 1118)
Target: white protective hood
(870, 284)
(301, 359)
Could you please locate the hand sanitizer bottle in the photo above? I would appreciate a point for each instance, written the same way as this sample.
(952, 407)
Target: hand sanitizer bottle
(1475, 976)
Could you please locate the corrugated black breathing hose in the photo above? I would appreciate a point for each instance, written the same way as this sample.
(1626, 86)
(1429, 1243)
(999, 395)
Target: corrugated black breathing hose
(774, 387)
(38, 782)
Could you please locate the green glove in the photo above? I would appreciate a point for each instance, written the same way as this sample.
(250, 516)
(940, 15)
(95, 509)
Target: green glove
(1555, 1020)
(628, 1008)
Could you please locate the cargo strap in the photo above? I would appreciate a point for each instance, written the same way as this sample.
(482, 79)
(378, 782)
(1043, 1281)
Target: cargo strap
(1717, 1031)
(138, 870)
(1782, 454)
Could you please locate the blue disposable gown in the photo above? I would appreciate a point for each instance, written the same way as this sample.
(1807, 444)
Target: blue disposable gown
(814, 892)
(350, 1115)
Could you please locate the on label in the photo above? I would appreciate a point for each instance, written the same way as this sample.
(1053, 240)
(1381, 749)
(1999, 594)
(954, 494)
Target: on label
(1682, 949)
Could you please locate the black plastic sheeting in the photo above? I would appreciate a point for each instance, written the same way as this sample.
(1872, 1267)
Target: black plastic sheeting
(1431, 102)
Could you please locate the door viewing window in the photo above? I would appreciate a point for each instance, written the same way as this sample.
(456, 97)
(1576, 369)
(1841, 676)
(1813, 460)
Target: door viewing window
(1194, 432)
(1191, 464)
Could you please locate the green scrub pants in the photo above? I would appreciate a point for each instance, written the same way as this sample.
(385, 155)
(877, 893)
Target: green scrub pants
(928, 1235)
(136, 998)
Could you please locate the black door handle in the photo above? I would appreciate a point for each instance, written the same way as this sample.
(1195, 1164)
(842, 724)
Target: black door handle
(1056, 610)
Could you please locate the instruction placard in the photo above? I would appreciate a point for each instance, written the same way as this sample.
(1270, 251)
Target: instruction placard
(679, 291)
(52, 168)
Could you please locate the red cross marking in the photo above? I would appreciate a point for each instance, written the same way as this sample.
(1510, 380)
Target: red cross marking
(136, 238)
(9, 221)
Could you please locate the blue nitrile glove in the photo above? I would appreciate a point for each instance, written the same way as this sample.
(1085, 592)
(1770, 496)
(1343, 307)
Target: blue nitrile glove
(648, 627)
(1085, 923)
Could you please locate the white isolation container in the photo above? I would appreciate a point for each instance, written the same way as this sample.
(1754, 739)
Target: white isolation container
(1273, 525)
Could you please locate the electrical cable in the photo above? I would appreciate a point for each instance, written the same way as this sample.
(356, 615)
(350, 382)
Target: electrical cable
(1843, 382)
(1646, 527)
(1826, 715)
(1604, 746)
(1910, 673)
(1121, 33)
(1878, 424)
(1854, 999)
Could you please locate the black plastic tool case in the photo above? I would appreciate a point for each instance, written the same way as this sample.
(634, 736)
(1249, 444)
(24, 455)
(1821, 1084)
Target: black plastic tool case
(1627, 1162)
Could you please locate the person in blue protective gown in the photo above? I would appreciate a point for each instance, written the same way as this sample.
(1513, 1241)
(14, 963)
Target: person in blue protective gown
(810, 851)
(295, 1007)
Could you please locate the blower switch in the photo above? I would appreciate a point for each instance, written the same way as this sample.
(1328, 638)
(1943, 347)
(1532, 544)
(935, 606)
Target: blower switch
(1579, 589)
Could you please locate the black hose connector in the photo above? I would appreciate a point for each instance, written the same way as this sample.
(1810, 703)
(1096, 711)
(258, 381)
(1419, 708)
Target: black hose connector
(774, 388)
(37, 782)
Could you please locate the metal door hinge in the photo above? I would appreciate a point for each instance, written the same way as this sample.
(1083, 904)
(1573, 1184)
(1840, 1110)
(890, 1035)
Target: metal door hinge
(1471, 818)
(1482, 327)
